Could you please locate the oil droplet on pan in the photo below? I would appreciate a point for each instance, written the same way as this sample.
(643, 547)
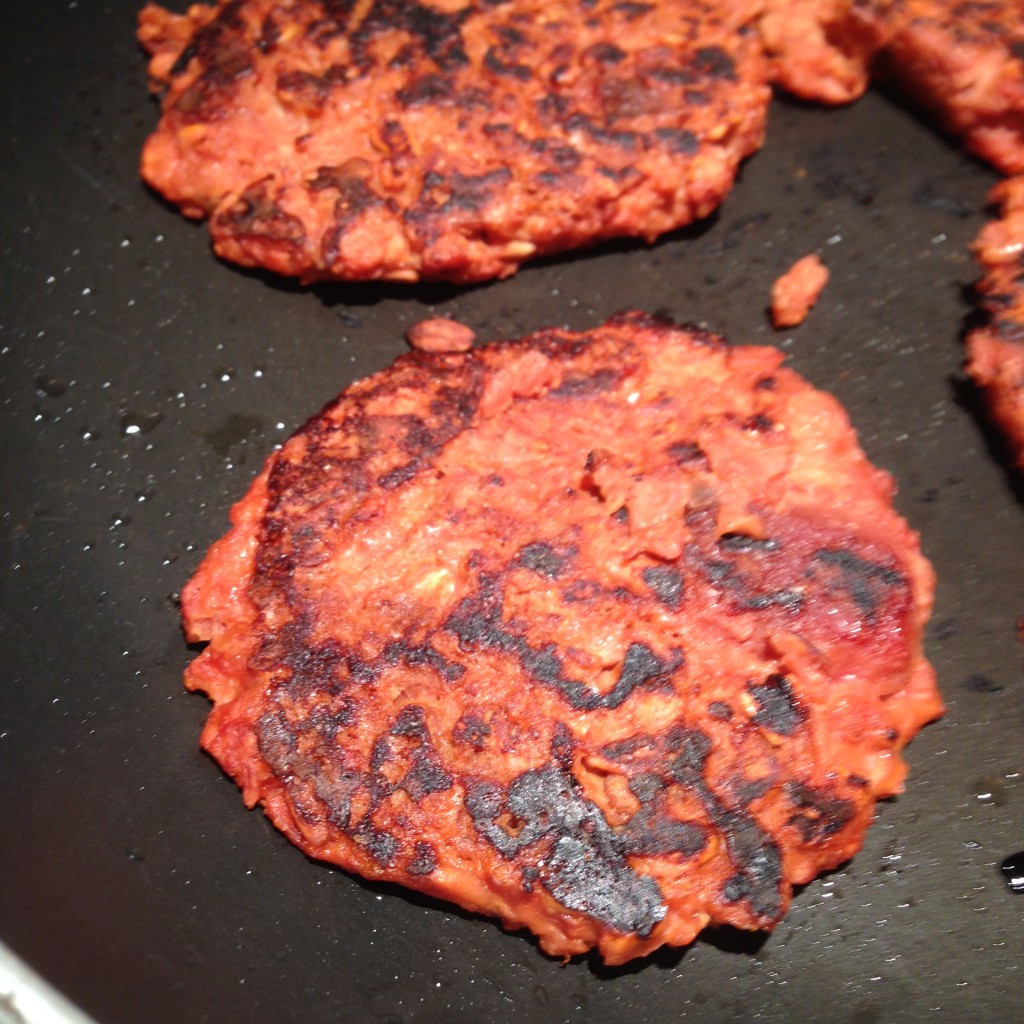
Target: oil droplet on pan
(135, 423)
(1013, 871)
(50, 385)
(233, 430)
(989, 790)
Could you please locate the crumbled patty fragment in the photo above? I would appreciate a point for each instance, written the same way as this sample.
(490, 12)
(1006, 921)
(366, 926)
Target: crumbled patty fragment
(440, 334)
(611, 635)
(405, 139)
(797, 290)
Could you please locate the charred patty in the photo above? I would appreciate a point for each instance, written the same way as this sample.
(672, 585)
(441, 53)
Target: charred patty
(609, 635)
(823, 49)
(995, 349)
(963, 60)
(447, 139)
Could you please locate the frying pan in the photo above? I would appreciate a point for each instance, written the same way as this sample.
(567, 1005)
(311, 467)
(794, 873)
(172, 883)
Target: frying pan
(143, 384)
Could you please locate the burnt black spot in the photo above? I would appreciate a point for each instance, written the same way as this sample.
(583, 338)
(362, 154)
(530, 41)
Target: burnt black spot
(436, 33)
(758, 877)
(477, 623)
(256, 214)
(270, 33)
(588, 384)
(720, 710)
(477, 620)
(863, 581)
(678, 140)
(819, 814)
(727, 577)
(417, 655)
(472, 731)
(314, 669)
(584, 866)
(381, 754)
(687, 453)
(599, 133)
(653, 831)
(749, 790)
(760, 865)
(605, 53)
(336, 788)
(562, 746)
(544, 664)
(759, 423)
(473, 191)
(691, 747)
(542, 558)
(354, 197)
(429, 88)
(498, 65)
(180, 66)
(411, 721)
(626, 748)
(639, 665)
(674, 75)
(565, 157)
(424, 861)
(276, 742)
(399, 475)
(382, 846)
(424, 772)
(632, 9)
(778, 709)
(714, 62)
(666, 583)
(744, 542)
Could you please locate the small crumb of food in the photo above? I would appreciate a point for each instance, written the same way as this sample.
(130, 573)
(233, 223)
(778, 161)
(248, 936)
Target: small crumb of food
(797, 290)
(440, 334)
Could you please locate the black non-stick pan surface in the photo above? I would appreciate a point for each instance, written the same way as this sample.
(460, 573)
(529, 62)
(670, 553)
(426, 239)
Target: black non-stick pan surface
(143, 384)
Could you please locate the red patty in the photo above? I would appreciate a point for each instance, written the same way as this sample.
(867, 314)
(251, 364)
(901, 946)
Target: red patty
(963, 60)
(609, 635)
(357, 139)
(996, 349)
(823, 49)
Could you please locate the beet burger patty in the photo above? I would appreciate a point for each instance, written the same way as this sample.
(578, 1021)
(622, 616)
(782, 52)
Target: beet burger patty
(610, 635)
(358, 139)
